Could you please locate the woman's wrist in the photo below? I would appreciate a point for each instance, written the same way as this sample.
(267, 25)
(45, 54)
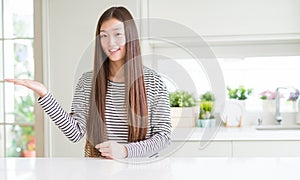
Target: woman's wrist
(43, 94)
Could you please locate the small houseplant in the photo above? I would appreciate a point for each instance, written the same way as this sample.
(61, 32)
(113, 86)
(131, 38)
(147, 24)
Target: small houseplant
(208, 96)
(181, 99)
(240, 93)
(293, 97)
(183, 110)
(206, 117)
(267, 95)
(30, 148)
(268, 100)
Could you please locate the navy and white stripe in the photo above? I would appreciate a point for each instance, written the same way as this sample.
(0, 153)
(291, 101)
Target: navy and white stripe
(73, 125)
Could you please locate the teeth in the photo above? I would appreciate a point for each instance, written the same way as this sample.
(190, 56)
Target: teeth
(113, 50)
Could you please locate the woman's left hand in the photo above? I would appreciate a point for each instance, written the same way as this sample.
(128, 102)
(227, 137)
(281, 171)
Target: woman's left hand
(112, 150)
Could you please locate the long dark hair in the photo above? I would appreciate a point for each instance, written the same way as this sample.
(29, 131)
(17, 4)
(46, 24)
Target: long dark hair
(135, 96)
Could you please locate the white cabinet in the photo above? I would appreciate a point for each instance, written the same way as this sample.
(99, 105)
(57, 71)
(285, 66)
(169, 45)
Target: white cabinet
(232, 28)
(231, 17)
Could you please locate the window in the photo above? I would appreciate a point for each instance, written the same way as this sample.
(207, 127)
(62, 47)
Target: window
(17, 120)
(192, 76)
(262, 74)
(257, 73)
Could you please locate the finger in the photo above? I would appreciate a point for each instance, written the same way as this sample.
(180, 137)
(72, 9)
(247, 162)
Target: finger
(107, 155)
(105, 150)
(104, 144)
(98, 146)
(24, 82)
(17, 81)
(10, 80)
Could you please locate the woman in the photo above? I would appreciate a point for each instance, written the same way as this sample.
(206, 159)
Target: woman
(122, 105)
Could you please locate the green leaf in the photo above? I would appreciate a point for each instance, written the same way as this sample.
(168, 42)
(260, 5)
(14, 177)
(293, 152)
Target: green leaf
(181, 99)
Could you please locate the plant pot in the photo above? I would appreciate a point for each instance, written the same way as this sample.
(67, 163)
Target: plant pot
(198, 123)
(27, 153)
(295, 108)
(242, 103)
(268, 105)
(183, 117)
(206, 123)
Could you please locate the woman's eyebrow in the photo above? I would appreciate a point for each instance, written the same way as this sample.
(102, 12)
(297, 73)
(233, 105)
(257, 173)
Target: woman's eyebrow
(115, 29)
(118, 28)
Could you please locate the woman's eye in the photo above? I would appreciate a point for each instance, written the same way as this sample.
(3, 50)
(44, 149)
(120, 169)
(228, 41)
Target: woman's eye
(119, 34)
(103, 35)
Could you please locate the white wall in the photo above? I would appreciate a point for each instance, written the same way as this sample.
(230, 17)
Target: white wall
(232, 27)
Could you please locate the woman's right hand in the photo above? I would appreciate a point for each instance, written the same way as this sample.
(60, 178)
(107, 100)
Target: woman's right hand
(36, 86)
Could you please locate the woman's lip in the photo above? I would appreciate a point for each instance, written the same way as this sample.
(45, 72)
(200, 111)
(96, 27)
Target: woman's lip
(114, 52)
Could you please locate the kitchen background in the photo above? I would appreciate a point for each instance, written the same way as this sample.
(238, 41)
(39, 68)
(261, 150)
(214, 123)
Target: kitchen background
(256, 44)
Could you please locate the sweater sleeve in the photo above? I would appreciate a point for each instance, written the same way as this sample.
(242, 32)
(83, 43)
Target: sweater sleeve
(161, 128)
(73, 124)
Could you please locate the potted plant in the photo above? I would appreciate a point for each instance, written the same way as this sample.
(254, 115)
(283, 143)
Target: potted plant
(268, 100)
(208, 96)
(183, 110)
(240, 93)
(30, 148)
(293, 97)
(206, 117)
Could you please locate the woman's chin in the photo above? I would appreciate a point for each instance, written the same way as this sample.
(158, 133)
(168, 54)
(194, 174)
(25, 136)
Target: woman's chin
(115, 59)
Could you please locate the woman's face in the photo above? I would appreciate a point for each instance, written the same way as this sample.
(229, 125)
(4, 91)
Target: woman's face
(112, 35)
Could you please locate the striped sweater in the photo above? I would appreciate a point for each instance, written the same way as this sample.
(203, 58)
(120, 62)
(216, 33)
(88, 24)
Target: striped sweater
(73, 124)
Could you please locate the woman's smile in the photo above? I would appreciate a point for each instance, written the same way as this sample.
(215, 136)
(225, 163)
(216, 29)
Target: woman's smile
(114, 51)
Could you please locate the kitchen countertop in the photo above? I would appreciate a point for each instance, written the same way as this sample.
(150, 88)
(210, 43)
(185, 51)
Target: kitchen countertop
(168, 168)
(233, 134)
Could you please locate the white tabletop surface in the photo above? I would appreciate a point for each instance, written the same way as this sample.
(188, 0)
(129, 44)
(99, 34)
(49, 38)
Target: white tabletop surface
(233, 134)
(168, 168)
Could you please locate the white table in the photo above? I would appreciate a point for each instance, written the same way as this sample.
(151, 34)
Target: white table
(167, 168)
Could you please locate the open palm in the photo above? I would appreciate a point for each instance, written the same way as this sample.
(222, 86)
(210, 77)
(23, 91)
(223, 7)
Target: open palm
(36, 86)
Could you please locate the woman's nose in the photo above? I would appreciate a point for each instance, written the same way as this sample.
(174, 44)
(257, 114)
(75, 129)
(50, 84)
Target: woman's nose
(112, 41)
